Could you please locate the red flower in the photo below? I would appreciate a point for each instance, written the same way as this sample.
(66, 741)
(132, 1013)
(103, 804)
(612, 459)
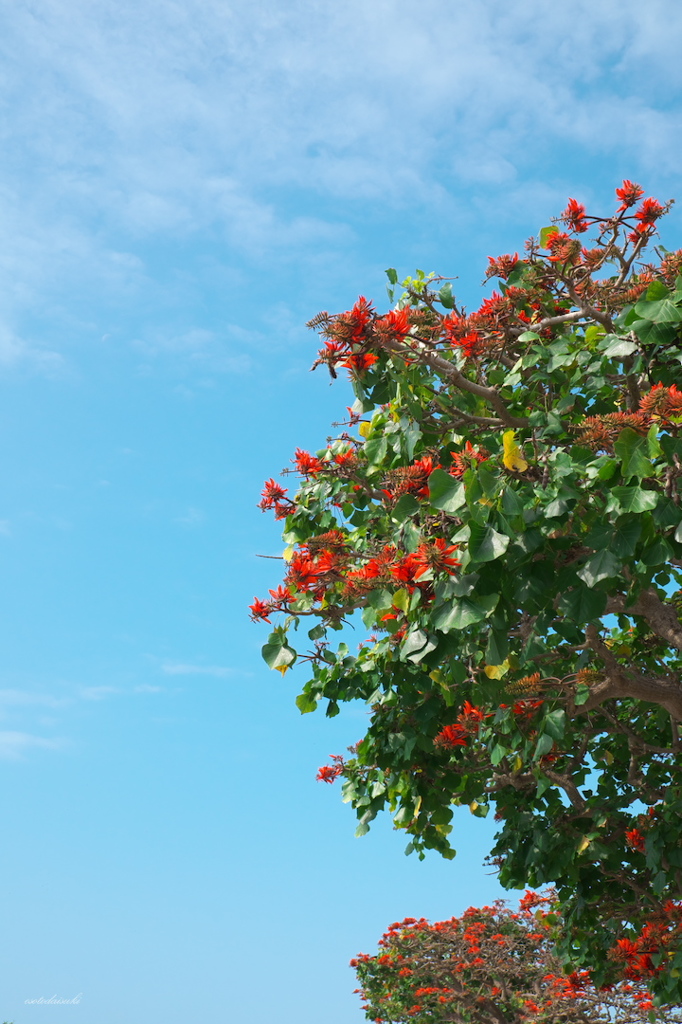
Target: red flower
(360, 361)
(461, 461)
(260, 610)
(271, 494)
(303, 572)
(649, 211)
(307, 464)
(501, 266)
(635, 839)
(436, 555)
(574, 216)
(451, 736)
(330, 772)
(562, 247)
(472, 713)
(628, 194)
(395, 325)
(344, 458)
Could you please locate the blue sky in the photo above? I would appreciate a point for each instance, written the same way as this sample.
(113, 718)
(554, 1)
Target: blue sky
(183, 185)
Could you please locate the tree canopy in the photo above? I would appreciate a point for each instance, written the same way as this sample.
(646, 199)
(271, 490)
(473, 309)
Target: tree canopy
(502, 513)
(492, 965)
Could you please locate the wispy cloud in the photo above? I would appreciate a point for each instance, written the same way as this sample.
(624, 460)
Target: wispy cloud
(175, 668)
(15, 745)
(265, 130)
(22, 698)
(192, 517)
(98, 692)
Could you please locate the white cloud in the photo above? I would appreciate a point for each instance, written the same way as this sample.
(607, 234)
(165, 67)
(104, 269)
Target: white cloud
(192, 517)
(98, 692)
(265, 129)
(174, 668)
(14, 745)
(18, 698)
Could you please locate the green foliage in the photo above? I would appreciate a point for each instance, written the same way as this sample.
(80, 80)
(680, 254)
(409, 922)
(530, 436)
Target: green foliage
(506, 520)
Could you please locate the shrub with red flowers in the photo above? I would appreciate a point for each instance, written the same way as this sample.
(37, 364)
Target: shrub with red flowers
(491, 966)
(501, 519)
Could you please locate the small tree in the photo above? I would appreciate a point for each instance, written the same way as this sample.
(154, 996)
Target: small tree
(503, 514)
(490, 966)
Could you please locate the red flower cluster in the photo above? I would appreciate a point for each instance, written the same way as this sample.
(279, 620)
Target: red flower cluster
(501, 266)
(635, 839)
(575, 216)
(628, 194)
(307, 464)
(562, 248)
(467, 724)
(463, 460)
(647, 214)
(273, 497)
(330, 772)
(662, 403)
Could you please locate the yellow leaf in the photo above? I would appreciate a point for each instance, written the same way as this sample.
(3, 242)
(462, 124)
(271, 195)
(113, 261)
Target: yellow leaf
(364, 429)
(288, 553)
(512, 455)
(583, 844)
(473, 805)
(518, 763)
(608, 757)
(282, 668)
(436, 675)
(497, 671)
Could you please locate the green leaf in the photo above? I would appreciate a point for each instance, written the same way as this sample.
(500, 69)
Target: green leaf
(544, 745)
(632, 450)
(555, 508)
(601, 566)
(405, 507)
(305, 703)
(392, 275)
(416, 646)
(446, 297)
(555, 724)
(279, 656)
(497, 752)
(582, 694)
(659, 311)
(464, 612)
(654, 334)
(414, 641)
(621, 539)
(656, 290)
(617, 348)
(546, 233)
(485, 543)
(632, 499)
(582, 605)
(375, 450)
(445, 492)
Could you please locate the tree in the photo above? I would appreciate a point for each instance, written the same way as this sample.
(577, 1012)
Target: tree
(503, 515)
(490, 966)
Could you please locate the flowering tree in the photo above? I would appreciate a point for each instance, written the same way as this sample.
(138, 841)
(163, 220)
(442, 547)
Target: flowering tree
(503, 514)
(490, 966)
